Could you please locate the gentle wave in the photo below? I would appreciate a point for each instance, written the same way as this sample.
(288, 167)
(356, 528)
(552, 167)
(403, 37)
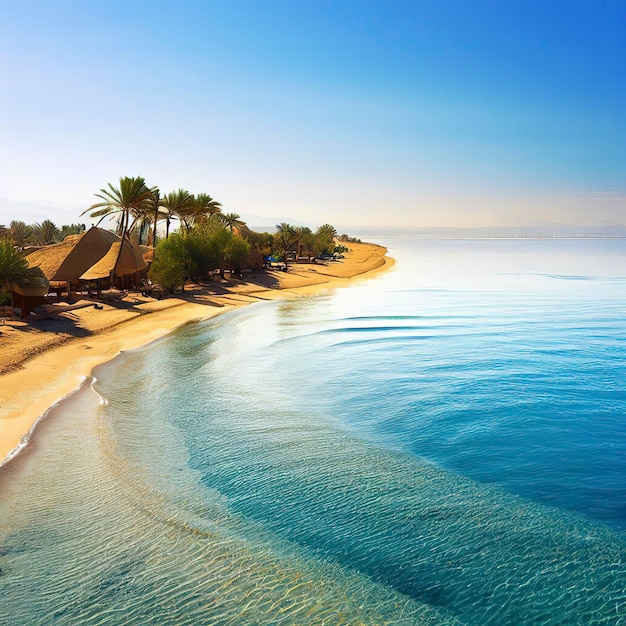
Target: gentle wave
(25, 439)
(392, 453)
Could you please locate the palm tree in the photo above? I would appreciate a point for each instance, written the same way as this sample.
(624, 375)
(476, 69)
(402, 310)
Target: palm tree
(327, 231)
(324, 239)
(45, 233)
(287, 236)
(145, 219)
(231, 220)
(20, 233)
(13, 267)
(71, 229)
(141, 229)
(132, 197)
(302, 232)
(146, 223)
(206, 207)
(155, 202)
(180, 205)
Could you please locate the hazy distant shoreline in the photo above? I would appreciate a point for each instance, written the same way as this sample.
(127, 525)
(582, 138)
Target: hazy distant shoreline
(481, 233)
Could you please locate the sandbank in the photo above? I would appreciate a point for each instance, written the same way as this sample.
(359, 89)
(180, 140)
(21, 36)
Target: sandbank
(42, 362)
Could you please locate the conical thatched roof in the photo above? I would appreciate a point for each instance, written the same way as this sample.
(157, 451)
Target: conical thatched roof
(68, 260)
(104, 267)
(147, 252)
(131, 260)
(87, 256)
(121, 259)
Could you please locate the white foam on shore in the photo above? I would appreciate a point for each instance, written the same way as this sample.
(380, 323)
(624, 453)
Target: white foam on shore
(102, 401)
(27, 436)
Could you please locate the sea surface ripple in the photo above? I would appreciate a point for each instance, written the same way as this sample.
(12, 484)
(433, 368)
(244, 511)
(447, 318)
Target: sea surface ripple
(444, 444)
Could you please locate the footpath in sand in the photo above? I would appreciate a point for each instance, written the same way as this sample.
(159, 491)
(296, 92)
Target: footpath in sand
(42, 362)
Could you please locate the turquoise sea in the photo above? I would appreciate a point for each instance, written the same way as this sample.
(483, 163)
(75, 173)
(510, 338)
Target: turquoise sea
(442, 444)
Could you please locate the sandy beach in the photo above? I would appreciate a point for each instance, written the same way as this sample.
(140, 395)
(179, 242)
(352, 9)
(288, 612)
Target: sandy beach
(42, 362)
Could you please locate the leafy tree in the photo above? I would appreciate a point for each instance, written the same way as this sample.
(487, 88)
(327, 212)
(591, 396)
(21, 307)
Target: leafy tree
(45, 233)
(131, 198)
(348, 239)
(204, 251)
(236, 252)
(172, 263)
(222, 236)
(261, 246)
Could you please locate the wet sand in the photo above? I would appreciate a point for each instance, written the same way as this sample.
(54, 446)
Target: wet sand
(42, 362)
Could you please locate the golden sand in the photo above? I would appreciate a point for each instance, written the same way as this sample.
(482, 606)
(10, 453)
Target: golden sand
(42, 363)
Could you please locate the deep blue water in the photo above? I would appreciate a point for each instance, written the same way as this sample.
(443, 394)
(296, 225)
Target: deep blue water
(442, 444)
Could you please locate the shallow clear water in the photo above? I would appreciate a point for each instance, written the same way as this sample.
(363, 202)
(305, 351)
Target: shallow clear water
(442, 444)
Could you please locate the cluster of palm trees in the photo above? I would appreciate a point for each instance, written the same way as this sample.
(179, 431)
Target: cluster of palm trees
(22, 235)
(206, 237)
(303, 241)
(140, 208)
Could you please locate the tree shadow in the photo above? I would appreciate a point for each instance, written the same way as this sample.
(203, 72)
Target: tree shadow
(60, 324)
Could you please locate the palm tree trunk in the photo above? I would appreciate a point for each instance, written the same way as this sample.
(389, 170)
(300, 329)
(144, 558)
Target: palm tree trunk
(154, 233)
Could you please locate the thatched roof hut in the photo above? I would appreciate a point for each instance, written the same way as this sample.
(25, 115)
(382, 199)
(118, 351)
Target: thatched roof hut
(122, 259)
(66, 261)
(93, 255)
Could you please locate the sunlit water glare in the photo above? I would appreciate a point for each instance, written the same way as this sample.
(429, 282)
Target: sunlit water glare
(442, 444)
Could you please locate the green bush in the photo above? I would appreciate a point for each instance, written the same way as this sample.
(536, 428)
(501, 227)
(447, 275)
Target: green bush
(172, 264)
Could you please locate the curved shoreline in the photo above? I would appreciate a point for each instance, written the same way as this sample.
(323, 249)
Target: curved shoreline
(52, 373)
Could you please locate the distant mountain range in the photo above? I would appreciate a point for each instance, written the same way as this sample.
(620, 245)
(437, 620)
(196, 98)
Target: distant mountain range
(30, 212)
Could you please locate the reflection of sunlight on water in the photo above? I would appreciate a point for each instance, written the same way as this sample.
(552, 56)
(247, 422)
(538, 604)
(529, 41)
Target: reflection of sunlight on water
(478, 553)
(502, 264)
(265, 466)
(121, 531)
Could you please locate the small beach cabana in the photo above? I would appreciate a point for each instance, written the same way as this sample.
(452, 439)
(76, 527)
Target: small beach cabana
(98, 253)
(63, 263)
(123, 267)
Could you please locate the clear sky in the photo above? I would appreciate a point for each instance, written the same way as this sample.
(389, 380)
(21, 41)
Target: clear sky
(417, 113)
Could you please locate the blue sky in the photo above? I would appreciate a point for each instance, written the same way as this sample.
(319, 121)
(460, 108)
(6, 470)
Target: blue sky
(423, 113)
